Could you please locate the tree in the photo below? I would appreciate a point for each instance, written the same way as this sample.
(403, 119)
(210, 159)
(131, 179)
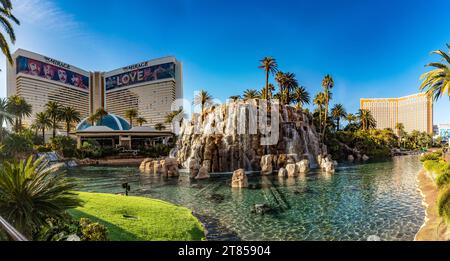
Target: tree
(131, 114)
(5, 116)
(171, 115)
(70, 115)
(204, 99)
(5, 20)
(30, 192)
(18, 107)
(301, 96)
(43, 122)
(98, 116)
(280, 78)
(160, 126)
(250, 94)
(263, 92)
(337, 113)
(270, 66)
(327, 84)
(18, 145)
(141, 120)
(290, 84)
(437, 82)
(319, 100)
(54, 111)
(367, 119)
(235, 98)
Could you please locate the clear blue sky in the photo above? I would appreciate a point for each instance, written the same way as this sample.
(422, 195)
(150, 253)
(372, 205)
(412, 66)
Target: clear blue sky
(371, 48)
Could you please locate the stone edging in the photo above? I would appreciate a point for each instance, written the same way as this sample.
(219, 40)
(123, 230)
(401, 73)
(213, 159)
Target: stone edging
(433, 228)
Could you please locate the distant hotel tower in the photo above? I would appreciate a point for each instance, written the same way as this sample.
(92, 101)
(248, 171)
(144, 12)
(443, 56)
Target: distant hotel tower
(149, 87)
(414, 111)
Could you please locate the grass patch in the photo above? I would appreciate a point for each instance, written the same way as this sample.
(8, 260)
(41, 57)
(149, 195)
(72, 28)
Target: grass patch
(444, 203)
(138, 218)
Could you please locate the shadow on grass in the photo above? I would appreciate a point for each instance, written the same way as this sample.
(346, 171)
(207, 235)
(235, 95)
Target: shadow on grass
(115, 233)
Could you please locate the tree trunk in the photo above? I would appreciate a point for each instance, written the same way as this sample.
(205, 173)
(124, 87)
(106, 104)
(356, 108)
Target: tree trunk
(54, 128)
(337, 124)
(267, 85)
(43, 135)
(68, 128)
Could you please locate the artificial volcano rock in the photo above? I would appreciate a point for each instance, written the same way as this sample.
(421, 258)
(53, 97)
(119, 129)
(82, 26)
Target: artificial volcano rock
(226, 140)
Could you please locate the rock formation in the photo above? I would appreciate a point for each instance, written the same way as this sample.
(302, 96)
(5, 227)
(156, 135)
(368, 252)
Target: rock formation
(239, 179)
(202, 173)
(224, 142)
(166, 167)
(291, 170)
(282, 172)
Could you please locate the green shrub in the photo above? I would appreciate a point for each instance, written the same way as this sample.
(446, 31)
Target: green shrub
(42, 148)
(437, 155)
(443, 178)
(89, 149)
(17, 146)
(64, 144)
(92, 231)
(444, 203)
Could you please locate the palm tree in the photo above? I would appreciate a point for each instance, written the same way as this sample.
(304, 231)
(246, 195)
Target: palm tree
(54, 111)
(301, 96)
(437, 82)
(327, 84)
(43, 122)
(204, 99)
(5, 116)
(30, 192)
(250, 94)
(171, 115)
(280, 78)
(290, 84)
(5, 17)
(160, 126)
(234, 98)
(131, 114)
(338, 112)
(98, 116)
(319, 100)
(351, 118)
(141, 120)
(367, 119)
(400, 127)
(70, 115)
(18, 107)
(270, 66)
(263, 92)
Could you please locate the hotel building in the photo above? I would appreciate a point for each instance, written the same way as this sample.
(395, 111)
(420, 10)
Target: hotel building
(150, 87)
(414, 111)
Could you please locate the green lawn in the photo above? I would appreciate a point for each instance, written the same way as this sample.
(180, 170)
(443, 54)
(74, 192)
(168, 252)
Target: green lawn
(138, 218)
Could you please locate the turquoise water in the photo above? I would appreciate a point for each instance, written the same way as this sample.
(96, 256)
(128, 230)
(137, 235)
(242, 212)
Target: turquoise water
(358, 201)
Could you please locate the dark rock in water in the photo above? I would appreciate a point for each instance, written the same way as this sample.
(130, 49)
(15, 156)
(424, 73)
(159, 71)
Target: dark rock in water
(262, 209)
(217, 198)
(254, 186)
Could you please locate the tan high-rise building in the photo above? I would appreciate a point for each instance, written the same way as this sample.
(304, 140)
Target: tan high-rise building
(150, 87)
(414, 111)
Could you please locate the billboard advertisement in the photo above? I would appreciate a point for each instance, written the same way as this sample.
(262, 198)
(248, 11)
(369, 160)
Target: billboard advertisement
(139, 74)
(54, 70)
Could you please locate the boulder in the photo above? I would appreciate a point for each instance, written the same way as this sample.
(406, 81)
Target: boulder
(365, 157)
(282, 172)
(239, 179)
(157, 169)
(281, 160)
(292, 158)
(328, 167)
(303, 166)
(148, 166)
(193, 166)
(291, 170)
(266, 165)
(170, 166)
(351, 158)
(202, 173)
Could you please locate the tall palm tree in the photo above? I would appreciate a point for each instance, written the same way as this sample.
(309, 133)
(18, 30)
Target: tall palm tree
(160, 126)
(250, 94)
(5, 116)
(54, 109)
(263, 92)
(280, 78)
(270, 66)
(43, 122)
(30, 193)
(351, 118)
(367, 119)
(338, 112)
(70, 115)
(290, 84)
(319, 100)
(131, 114)
(437, 82)
(18, 107)
(98, 116)
(400, 127)
(6, 17)
(301, 96)
(171, 115)
(204, 99)
(141, 120)
(327, 84)
(234, 98)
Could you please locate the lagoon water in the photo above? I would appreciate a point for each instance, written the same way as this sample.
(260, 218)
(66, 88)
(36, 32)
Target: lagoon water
(375, 200)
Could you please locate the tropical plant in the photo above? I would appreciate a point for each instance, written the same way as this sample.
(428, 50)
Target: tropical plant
(301, 96)
(270, 66)
(30, 192)
(204, 99)
(367, 120)
(98, 116)
(131, 114)
(160, 126)
(338, 112)
(319, 100)
(401, 133)
(437, 82)
(64, 144)
(141, 120)
(263, 92)
(19, 108)
(43, 122)
(70, 115)
(54, 111)
(17, 145)
(327, 84)
(172, 115)
(6, 17)
(250, 94)
(5, 116)
(234, 98)
(444, 203)
(290, 83)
